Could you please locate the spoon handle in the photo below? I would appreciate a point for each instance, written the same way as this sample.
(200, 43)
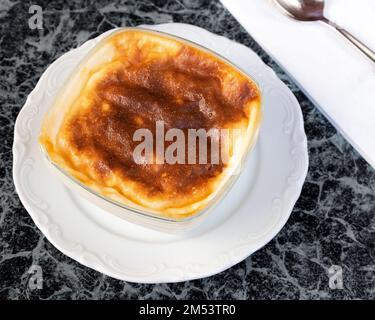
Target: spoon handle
(366, 50)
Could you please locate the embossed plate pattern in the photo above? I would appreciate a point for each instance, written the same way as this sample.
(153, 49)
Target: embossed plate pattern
(251, 214)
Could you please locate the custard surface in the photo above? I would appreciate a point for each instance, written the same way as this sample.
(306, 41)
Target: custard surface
(131, 80)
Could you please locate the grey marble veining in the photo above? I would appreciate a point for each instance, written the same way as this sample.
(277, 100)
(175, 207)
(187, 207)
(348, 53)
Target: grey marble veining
(333, 222)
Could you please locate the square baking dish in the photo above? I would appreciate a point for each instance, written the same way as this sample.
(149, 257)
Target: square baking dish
(133, 213)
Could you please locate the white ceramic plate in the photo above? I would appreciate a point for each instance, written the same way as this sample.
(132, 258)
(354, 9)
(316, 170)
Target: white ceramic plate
(251, 214)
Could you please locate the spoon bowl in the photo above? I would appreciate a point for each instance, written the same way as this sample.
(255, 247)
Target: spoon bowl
(303, 10)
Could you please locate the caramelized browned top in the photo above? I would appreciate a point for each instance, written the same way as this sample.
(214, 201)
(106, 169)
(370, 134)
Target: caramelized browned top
(185, 90)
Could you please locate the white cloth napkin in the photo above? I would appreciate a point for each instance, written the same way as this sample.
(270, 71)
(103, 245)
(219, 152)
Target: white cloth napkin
(336, 76)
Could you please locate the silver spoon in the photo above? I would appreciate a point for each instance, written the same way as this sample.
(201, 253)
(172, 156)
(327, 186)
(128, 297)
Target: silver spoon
(312, 10)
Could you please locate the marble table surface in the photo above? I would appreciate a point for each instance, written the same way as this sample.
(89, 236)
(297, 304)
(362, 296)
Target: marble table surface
(333, 222)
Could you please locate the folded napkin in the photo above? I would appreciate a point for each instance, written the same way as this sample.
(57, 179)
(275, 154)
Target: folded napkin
(332, 72)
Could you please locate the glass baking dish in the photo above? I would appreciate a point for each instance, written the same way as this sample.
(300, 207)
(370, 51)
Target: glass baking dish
(132, 213)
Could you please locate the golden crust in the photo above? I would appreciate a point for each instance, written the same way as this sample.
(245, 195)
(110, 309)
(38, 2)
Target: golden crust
(130, 80)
